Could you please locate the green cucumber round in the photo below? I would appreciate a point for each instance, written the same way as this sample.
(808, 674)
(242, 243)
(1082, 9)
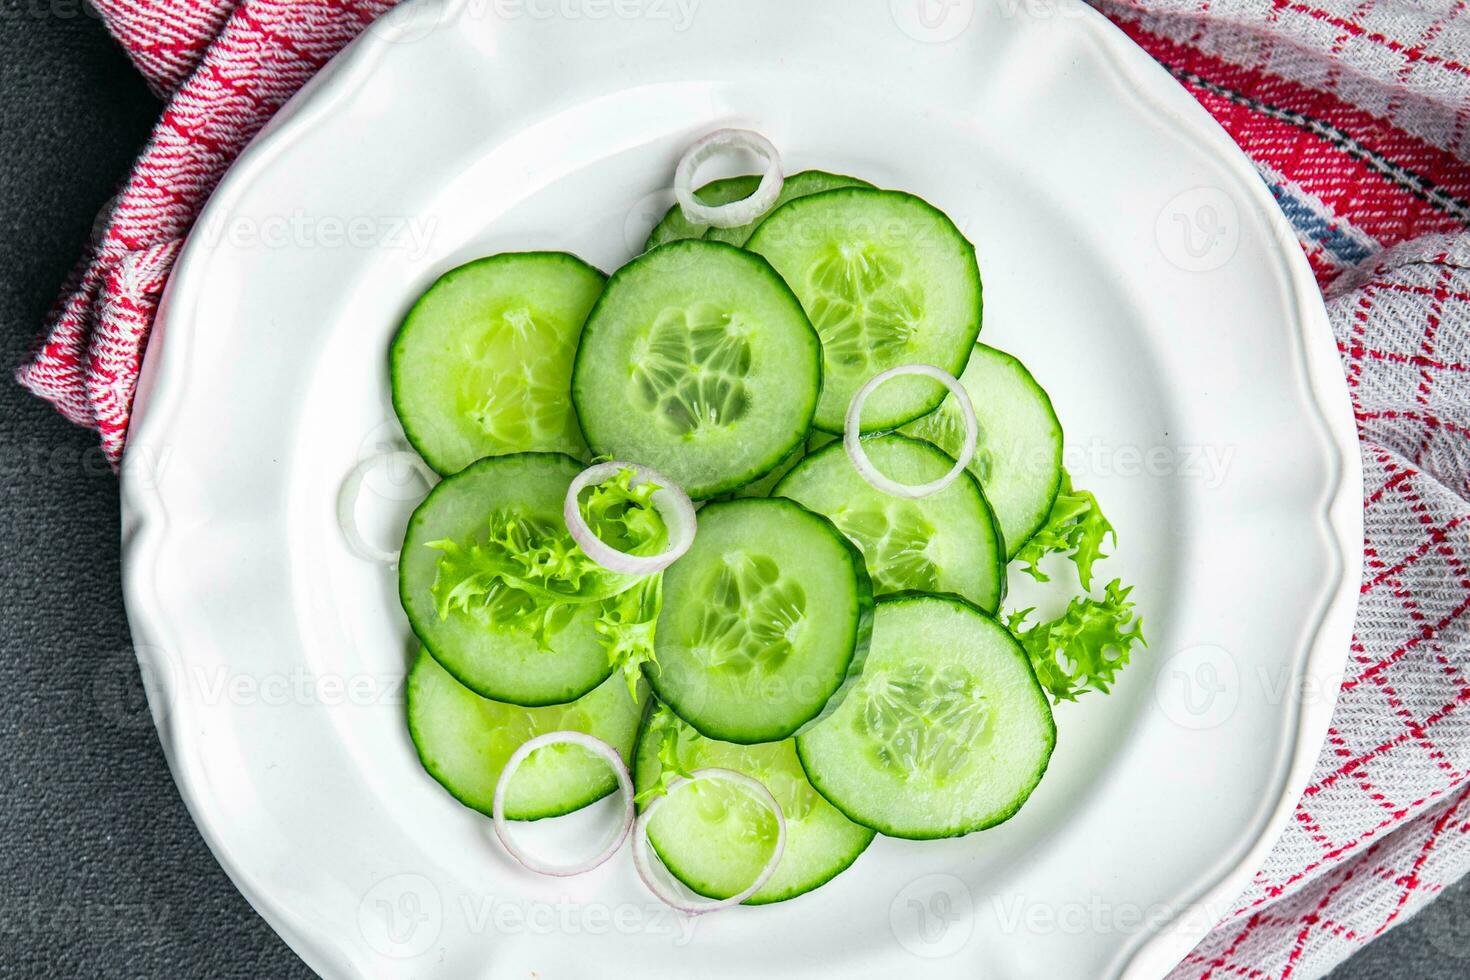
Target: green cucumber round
(765, 621)
(673, 226)
(947, 732)
(715, 839)
(697, 361)
(946, 542)
(802, 184)
(504, 664)
(1018, 459)
(464, 741)
(886, 279)
(482, 364)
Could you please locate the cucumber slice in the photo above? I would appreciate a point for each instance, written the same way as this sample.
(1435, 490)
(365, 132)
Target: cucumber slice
(699, 362)
(947, 732)
(710, 835)
(765, 621)
(802, 184)
(504, 664)
(1019, 457)
(483, 362)
(464, 740)
(673, 226)
(766, 485)
(887, 280)
(946, 542)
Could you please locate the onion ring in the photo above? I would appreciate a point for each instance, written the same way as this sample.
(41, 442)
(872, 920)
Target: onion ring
(592, 744)
(736, 213)
(352, 489)
(669, 889)
(671, 502)
(853, 443)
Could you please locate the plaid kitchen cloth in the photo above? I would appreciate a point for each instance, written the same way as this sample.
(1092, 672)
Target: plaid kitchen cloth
(1356, 114)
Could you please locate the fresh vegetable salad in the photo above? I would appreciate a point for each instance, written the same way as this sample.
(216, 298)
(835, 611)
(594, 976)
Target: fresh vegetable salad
(726, 533)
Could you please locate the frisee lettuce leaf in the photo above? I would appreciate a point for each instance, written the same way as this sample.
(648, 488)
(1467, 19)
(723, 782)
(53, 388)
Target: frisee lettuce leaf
(1076, 528)
(528, 573)
(1085, 647)
(665, 726)
(626, 625)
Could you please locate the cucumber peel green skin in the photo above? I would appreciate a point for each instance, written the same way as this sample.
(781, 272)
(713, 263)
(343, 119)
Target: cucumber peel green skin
(464, 741)
(432, 353)
(698, 360)
(500, 665)
(826, 481)
(802, 184)
(673, 226)
(1021, 485)
(820, 842)
(887, 279)
(690, 699)
(830, 753)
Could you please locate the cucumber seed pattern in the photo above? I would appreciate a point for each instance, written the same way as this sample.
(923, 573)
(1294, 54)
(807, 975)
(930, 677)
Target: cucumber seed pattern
(923, 721)
(752, 617)
(894, 540)
(690, 369)
(862, 307)
(515, 382)
(946, 429)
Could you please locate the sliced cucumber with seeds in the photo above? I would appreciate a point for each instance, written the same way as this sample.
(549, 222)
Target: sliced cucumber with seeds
(765, 621)
(494, 661)
(802, 184)
(887, 280)
(946, 733)
(715, 838)
(673, 226)
(946, 542)
(464, 741)
(483, 362)
(699, 362)
(1019, 456)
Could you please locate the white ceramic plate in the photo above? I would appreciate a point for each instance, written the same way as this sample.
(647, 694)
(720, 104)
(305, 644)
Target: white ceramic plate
(1131, 257)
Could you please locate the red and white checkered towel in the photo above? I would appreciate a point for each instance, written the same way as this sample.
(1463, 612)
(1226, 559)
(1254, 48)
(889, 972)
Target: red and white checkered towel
(1357, 115)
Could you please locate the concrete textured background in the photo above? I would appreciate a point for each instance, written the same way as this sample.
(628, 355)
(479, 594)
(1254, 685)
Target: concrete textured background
(102, 873)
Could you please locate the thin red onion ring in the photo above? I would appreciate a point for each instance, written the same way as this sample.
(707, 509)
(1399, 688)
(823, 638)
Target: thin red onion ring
(675, 893)
(853, 443)
(352, 489)
(671, 502)
(736, 213)
(625, 786)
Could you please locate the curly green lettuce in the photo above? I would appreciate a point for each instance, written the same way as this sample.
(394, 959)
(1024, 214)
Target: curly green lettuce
(626, 625)
(528, 573)
(1075, 528)
(1085, 647)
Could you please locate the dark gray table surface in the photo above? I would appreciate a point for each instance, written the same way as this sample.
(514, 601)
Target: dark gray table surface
(102, 873)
